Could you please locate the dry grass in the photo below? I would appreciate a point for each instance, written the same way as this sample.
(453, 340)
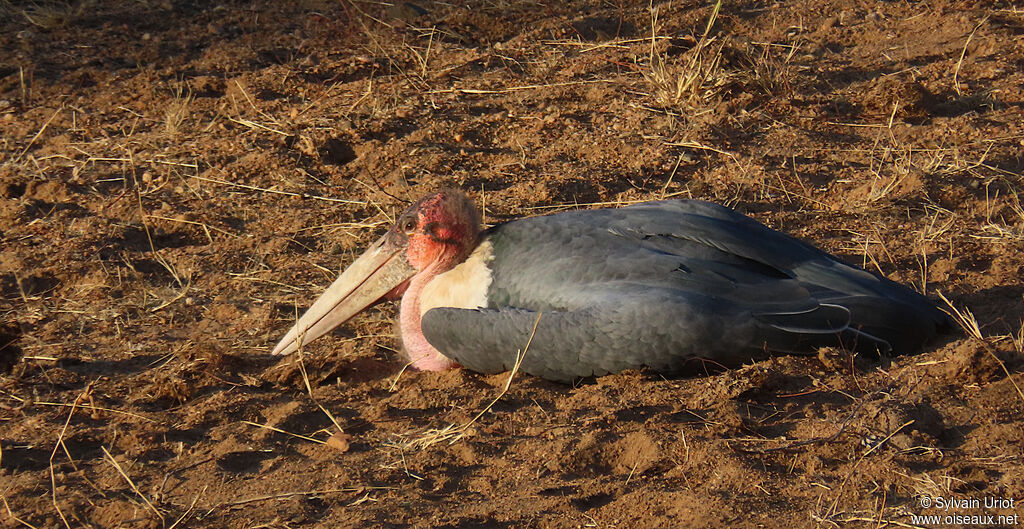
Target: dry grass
(693, 85)
(1008, 223)
(964, 318)
(48, 15)
(1018, 339)
(925, 485)
(770, 69)
(960, 61)
(899, 167)
(278, 430)
(177, 112)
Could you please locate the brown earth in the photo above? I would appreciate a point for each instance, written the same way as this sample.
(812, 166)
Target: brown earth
(177, 177)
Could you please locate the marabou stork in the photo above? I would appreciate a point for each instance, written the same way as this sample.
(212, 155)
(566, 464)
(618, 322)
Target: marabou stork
(663, 285)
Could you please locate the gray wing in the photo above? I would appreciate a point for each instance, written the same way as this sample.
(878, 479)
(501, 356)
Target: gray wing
(630, 326)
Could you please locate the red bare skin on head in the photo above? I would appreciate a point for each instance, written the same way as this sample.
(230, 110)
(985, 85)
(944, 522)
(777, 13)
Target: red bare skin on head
(445, 227)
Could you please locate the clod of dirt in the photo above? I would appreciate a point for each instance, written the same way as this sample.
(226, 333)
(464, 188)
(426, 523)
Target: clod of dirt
(168, 389)
(972, 362)
(339, 441)
(208, 86)
(906, 426)
(637, 453)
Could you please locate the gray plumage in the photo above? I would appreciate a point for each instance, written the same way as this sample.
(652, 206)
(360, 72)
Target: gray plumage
(669, 285)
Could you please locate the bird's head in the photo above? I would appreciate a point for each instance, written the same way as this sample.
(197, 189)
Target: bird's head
(438, 231)
(430, 237)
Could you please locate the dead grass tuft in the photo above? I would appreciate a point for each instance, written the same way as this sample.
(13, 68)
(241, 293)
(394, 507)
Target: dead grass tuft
(697, 82)
(1006, 222)
(177, 112)
(48, 15)
(964, 318)
(926, 485)
(900, 168)
(770, 68)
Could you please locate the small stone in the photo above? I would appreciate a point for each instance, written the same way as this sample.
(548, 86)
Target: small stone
(146, 36)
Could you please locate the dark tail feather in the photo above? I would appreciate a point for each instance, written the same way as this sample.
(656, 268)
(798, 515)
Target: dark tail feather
(906, 327)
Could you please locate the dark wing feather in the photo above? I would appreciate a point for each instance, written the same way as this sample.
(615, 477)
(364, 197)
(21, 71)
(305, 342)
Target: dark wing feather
(874, 301)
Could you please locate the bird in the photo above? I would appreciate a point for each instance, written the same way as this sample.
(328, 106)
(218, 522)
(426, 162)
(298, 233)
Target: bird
(672, 286)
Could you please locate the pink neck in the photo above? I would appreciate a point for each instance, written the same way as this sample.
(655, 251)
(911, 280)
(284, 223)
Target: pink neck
(421, 354)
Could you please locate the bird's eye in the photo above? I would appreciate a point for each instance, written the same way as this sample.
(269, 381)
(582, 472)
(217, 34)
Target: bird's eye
(409, 225)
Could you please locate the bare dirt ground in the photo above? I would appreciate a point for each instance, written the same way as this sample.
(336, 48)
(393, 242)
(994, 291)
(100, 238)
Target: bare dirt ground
(178, 178)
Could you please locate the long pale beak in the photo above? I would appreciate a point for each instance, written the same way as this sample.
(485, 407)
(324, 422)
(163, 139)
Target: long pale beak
(381, 268)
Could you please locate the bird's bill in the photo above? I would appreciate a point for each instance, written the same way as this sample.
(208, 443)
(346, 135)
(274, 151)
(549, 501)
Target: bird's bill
(373, 275)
